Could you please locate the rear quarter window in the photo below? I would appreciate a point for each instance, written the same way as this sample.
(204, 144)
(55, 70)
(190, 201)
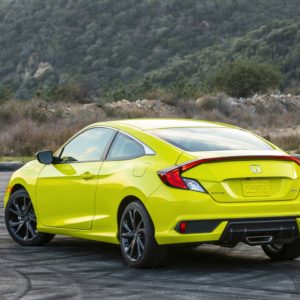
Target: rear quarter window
(124, 147)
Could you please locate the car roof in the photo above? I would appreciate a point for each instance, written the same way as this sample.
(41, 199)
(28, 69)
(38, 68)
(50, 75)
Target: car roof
(150, 124)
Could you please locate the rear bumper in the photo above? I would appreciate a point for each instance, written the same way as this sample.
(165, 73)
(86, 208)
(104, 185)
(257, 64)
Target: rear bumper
(260, 231)
(168, 207)
(228, 233)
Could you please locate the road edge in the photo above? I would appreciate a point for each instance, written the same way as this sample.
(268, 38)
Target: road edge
(10, 166)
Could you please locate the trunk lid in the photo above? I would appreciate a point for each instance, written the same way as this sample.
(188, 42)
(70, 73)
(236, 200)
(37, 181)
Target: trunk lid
(240, 178)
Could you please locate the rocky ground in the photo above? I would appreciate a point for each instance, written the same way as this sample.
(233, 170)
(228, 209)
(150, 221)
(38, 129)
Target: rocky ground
(258, 104)
(255, 104)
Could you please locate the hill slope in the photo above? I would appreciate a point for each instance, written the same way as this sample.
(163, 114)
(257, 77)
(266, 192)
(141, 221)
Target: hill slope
(103, 44)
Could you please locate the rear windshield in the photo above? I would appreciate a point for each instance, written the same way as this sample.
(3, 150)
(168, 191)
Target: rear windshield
(211, 139)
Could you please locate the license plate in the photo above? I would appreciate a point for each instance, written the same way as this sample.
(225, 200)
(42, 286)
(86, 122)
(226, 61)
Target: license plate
(256, 188)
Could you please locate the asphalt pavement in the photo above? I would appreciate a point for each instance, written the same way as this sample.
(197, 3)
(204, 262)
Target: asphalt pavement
(69, 268)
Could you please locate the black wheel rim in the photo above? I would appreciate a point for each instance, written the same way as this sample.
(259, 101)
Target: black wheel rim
(133, 235)
(22, 219)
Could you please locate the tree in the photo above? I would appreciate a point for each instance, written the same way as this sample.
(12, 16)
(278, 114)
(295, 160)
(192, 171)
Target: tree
(245, 78)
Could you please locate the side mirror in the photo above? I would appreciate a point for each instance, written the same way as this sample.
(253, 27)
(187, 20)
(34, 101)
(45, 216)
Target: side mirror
(45, 157)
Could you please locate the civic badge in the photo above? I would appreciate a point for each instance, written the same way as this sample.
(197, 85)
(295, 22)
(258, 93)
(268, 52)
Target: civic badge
(256, 169)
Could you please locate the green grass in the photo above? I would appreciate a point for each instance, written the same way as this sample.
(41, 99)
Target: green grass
(23, 159)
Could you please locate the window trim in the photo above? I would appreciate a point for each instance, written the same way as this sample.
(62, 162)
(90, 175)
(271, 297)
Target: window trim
(59, 152)
(147, 150)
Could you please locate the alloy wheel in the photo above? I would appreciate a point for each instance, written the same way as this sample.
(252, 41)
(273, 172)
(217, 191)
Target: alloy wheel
(133, 234)
(22, 219)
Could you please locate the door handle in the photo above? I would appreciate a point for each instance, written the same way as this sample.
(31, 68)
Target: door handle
(87, 175)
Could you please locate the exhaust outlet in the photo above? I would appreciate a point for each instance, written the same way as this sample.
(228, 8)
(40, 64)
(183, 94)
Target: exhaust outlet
(259, 240)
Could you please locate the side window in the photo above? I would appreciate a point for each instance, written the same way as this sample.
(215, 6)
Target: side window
(88, 146)
(124, 147)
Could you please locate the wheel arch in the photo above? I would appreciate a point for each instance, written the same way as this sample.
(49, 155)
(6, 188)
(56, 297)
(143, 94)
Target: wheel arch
(14, 188)
(124, 203)
(18, 184)
(17, 187)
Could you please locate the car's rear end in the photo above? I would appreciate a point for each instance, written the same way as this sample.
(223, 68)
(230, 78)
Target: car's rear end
(228, 186)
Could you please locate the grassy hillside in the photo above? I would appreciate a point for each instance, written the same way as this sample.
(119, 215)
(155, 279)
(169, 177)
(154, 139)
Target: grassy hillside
(103, 45)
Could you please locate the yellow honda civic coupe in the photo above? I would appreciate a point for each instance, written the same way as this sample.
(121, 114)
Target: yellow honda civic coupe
(147, 184)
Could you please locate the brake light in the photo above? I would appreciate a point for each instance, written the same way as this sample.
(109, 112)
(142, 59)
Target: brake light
(173, 178)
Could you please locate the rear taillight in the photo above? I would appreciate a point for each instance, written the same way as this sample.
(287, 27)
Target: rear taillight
(174, 179)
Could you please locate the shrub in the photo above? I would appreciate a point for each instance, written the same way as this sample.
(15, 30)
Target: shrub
(245, 78)
(219, 102)
(70, 91)
(288, 142)
(5, 93)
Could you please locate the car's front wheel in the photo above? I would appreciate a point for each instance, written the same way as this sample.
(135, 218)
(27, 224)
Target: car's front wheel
(20, 220)
(283, 251)
(136, 235)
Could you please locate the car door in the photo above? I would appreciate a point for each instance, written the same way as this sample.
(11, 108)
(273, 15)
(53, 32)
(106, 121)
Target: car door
(66, 190)
(126, 163)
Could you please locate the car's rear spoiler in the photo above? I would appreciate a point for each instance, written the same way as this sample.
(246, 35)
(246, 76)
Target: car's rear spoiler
(194, 163)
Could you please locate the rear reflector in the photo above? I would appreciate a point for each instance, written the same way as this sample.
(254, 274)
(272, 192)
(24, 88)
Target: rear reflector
(182, 227)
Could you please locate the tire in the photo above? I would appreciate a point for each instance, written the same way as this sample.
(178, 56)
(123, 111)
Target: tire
(136, 235)
(283, 252)
(20, 220)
